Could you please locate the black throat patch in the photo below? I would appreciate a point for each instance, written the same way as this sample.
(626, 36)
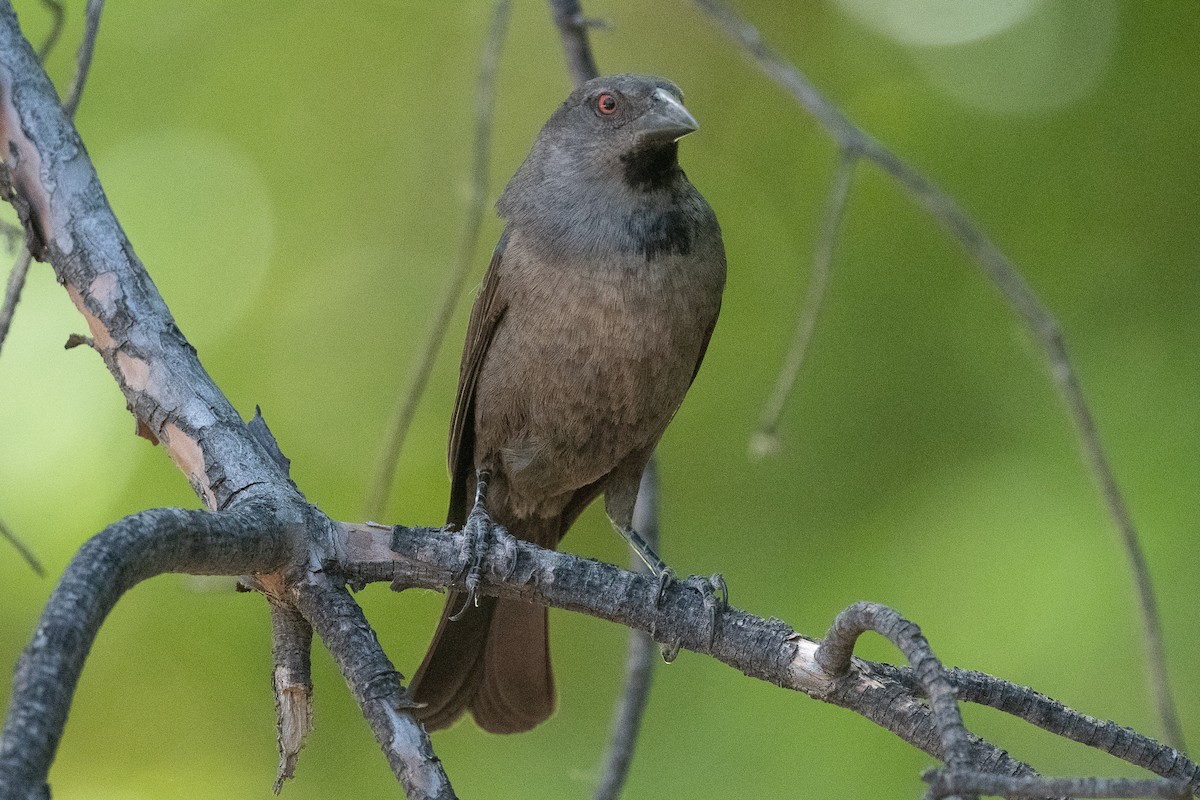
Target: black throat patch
(651, 168)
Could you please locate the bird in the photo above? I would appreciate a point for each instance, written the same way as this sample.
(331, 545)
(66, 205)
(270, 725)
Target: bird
(591, 323)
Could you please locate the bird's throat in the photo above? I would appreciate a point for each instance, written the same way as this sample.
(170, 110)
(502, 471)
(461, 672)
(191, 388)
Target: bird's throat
(652, 167)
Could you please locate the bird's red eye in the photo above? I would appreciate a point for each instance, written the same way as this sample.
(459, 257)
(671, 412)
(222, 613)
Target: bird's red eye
(606, 104)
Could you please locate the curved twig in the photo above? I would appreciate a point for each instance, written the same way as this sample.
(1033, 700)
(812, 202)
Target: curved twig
(834, 657)
(1016, 290)
(767, 439)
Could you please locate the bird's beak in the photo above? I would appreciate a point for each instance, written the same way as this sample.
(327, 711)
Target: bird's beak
(666, 119)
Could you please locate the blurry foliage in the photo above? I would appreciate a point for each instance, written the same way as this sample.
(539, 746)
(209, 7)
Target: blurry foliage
(293, 176)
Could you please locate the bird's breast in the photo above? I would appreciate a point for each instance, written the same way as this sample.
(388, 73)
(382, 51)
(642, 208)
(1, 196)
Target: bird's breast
(592, 358)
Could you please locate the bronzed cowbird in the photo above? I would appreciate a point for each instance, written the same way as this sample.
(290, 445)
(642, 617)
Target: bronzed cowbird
(589, 328)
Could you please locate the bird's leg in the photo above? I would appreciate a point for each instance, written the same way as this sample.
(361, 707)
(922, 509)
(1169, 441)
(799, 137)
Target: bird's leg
(478, 530)
(650, 558)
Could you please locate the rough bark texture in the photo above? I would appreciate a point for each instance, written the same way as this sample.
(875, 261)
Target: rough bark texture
(129, 551)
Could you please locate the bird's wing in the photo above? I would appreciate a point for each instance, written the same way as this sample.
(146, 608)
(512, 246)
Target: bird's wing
(485, 316)
(704, 343)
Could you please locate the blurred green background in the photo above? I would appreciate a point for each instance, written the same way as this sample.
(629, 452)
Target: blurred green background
(294, 176)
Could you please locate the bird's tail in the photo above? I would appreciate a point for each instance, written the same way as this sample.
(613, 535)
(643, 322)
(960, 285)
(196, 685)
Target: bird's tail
(495, 660)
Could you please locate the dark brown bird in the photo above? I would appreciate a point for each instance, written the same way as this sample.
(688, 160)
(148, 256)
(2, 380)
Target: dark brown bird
(589, 328)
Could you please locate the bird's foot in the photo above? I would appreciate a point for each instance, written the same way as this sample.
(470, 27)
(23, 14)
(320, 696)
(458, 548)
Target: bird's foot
(714, 594)
(709, 589)
(479, 532)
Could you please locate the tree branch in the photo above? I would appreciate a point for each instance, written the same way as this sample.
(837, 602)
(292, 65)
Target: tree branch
(766, 440)
(123, 554)
(1015, 289)
(572, 27)
(22, 550)
(50, 180)
(291, 650)
(766, 649)
(20, 270)
(340, 623)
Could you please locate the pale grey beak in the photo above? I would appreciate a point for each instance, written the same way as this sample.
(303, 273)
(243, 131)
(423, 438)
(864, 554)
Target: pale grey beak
(666, 119)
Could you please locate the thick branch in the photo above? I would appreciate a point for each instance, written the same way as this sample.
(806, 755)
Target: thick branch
(68, 222)
(129, 551)
(766, 649)
(340, 623)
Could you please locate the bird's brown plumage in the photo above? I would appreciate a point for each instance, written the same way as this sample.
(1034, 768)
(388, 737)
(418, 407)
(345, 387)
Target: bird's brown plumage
(591, 323)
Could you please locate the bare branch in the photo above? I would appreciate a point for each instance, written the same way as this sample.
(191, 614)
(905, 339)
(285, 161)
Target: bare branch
(572, 27)
(340, 623)
(16, 278)
(51, 181)
(943, 783)
(767, 439)
(834, 656)
(291, 648)
(1013, 286)
(125, 553)
(639, 662)
(761, 648)
(48, 177)
(485, 101)
(22, 550)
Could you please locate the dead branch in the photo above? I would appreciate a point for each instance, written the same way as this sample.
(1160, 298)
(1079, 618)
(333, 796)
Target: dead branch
(124, 554)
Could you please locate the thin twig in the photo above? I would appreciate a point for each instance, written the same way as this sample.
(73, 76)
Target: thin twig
(402, 415)
(640, 660)
(22, 550)
(58, 20)
(767, 439)
(12, 293)
(572, 27)
(83, 61)
(1013, 286)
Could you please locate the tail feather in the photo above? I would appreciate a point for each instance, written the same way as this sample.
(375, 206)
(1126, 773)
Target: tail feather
(517, 688)
(453, 667)
(494, 661)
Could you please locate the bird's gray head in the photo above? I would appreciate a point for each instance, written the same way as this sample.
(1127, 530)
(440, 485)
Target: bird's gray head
(608, 155)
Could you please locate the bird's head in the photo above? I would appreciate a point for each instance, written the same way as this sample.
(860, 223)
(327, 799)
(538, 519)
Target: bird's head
(623, 125)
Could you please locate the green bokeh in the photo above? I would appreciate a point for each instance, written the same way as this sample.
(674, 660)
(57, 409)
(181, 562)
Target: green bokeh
(294, 176)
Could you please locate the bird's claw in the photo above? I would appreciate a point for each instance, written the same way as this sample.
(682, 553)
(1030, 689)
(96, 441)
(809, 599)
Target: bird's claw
(666, 577)
(478, 530)
(709, 589)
